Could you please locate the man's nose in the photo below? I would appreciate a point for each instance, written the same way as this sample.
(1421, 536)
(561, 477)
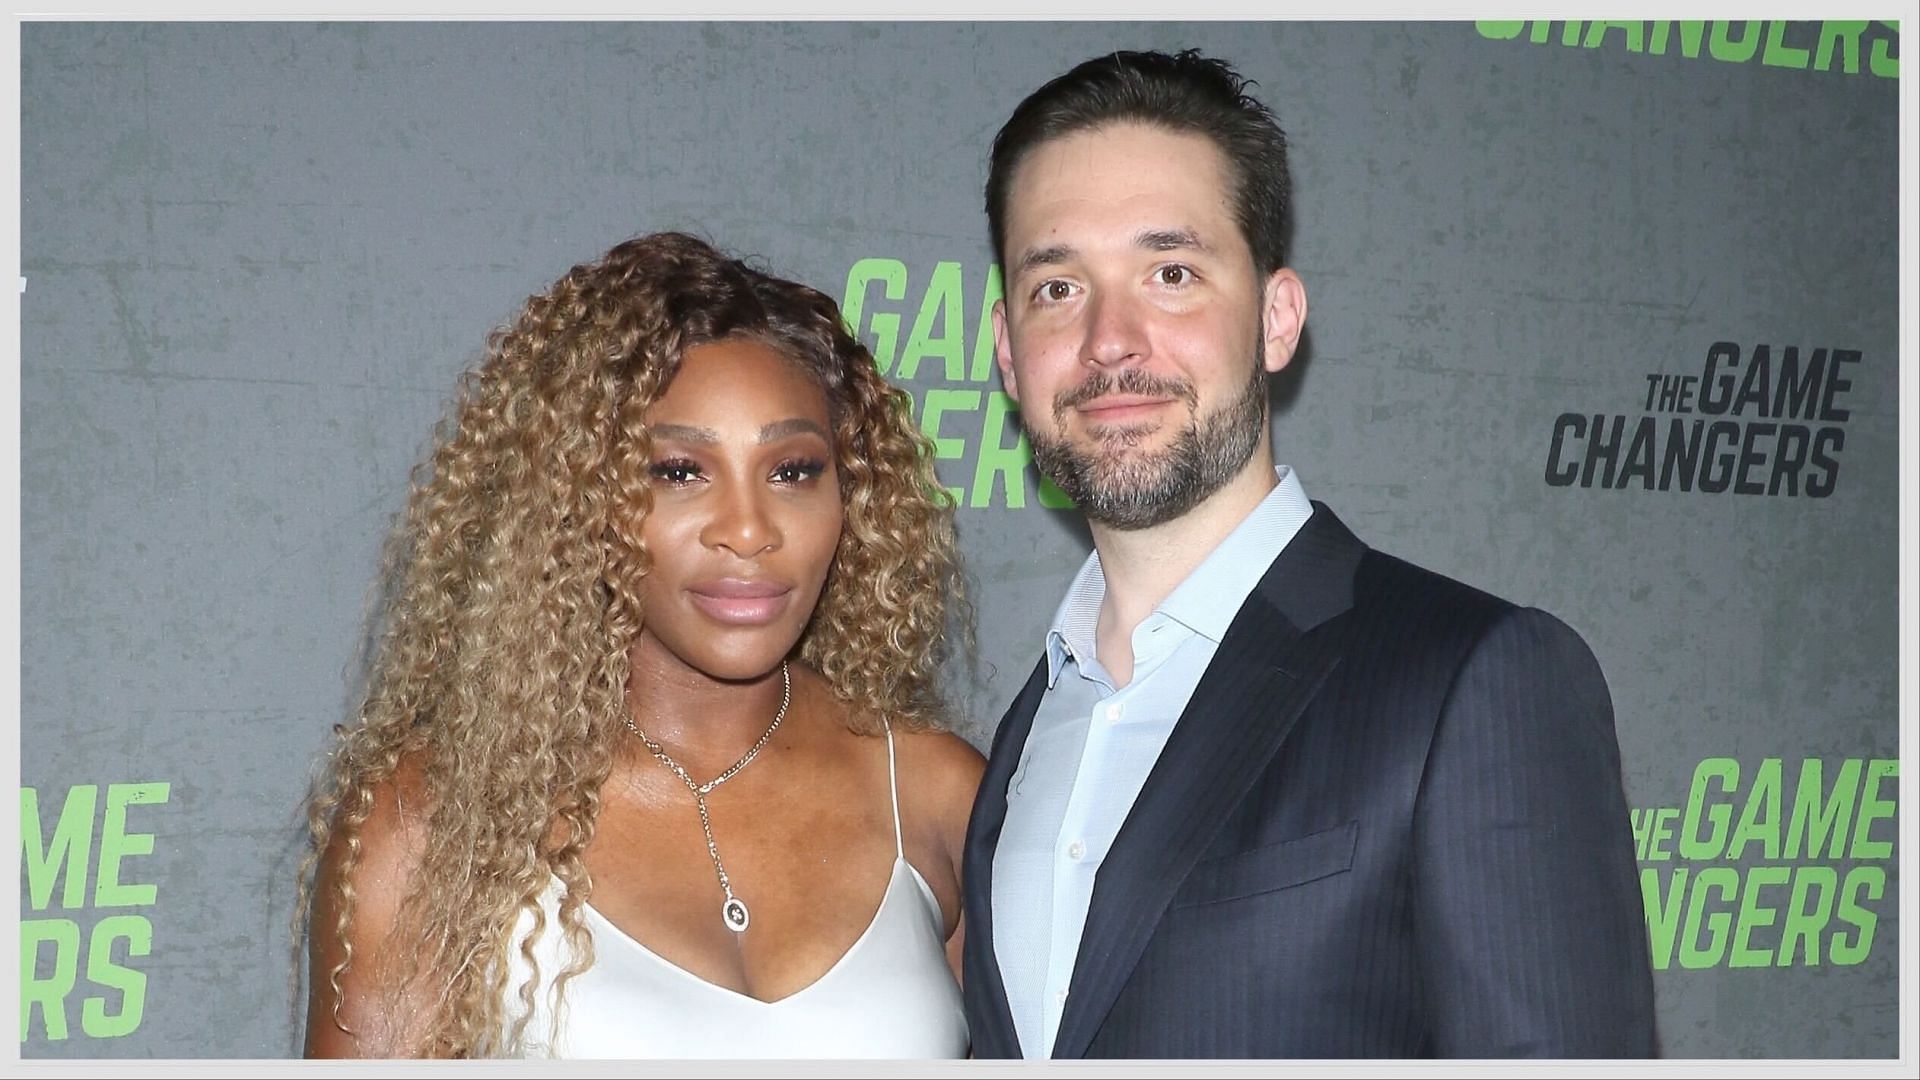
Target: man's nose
(1116, 331)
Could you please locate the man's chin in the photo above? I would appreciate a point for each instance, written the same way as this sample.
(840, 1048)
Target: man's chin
(1116, 483)
(1128, 493)
(1132, 510)
(1132, 441)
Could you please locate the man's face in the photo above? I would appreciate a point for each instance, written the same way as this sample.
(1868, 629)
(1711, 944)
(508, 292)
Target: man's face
(1136, 332)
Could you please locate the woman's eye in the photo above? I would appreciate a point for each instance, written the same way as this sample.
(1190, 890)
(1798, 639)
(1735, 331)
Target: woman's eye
(795, 472)
(676, 472)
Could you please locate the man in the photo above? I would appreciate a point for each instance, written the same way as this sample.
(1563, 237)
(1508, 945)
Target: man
(1268, 793)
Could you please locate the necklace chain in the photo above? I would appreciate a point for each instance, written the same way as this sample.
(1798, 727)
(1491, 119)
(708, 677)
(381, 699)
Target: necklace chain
(733, 911)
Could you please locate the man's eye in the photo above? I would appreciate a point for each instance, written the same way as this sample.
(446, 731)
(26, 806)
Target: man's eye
(1055, 290)
(1175, 275)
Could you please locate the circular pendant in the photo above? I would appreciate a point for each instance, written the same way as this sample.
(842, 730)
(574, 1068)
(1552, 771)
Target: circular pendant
(734, 914)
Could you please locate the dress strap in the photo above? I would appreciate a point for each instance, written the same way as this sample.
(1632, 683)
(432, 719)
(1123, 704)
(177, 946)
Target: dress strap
(893, 787)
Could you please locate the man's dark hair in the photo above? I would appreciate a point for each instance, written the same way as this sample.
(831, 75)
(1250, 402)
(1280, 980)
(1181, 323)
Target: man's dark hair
(1183, 92)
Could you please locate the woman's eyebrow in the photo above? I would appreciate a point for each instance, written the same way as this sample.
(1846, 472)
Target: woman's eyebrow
(686, 433)
(798, 425)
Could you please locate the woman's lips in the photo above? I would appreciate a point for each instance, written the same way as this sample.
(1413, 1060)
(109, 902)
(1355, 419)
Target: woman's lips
(739, 602)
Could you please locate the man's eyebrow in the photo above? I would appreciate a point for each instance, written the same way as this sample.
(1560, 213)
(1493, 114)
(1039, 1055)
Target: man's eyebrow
(1051, 255)
(1170, 240)
(686, 433)
(799, 425)
(1173, 239)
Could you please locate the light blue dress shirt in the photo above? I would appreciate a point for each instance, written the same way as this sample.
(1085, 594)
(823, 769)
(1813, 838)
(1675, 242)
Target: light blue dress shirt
(1092, 746)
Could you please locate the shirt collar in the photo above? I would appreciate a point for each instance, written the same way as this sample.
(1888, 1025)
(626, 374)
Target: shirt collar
(1210, 597)
(1071, 635)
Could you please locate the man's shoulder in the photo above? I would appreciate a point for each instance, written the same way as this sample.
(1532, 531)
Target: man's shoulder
(1327, 570)
(1386, 579)
(1438, 607)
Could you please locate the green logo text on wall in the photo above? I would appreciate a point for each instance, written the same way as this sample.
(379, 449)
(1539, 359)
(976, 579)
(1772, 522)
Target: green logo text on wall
(69, 977)
(1777, 865)
(1819, 46)
(946, 362)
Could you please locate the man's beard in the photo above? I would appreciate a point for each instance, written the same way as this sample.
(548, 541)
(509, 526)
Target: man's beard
(1139, 491)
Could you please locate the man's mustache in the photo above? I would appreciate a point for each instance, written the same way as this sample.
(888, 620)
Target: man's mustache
(1129, 381)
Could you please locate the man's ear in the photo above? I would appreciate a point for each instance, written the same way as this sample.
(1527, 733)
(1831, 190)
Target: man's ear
(1002, 350)
(1283, 314)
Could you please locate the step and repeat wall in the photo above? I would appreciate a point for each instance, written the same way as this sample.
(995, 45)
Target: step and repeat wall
(1604, 320)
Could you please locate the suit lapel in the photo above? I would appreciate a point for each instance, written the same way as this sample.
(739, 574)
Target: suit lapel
(988, 1012)
(1264, 673)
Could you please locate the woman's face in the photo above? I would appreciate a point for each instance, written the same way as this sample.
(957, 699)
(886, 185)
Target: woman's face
(746, 509)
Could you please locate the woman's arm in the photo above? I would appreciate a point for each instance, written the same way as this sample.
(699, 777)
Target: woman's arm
(952, 773)
(363, 1011)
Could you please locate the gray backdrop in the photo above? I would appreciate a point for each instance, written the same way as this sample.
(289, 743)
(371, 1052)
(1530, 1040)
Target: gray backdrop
(257, 256)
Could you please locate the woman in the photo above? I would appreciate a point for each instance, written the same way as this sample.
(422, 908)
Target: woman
(651, 764)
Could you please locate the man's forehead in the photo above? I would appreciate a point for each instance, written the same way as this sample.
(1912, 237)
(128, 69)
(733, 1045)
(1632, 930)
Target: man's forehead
(1133, 183)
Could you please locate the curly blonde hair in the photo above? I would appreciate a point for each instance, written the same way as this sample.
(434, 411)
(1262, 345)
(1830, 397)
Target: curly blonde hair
(515, 581)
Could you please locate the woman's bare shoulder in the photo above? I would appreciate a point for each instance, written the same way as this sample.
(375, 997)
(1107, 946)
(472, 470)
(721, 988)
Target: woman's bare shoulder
(393, 836)
(942, 770)
(941, 749)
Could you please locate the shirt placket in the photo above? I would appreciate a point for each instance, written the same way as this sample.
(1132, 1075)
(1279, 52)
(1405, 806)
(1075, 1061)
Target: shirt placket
(1073, 870)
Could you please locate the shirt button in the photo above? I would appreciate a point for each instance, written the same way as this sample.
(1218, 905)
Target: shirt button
(1076, 851)
(1114, 711)
(1059, 997)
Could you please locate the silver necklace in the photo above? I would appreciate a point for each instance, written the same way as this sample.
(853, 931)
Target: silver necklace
(733, 910)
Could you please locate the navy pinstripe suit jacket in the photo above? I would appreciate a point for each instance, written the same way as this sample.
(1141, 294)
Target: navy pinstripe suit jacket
(1389, 824)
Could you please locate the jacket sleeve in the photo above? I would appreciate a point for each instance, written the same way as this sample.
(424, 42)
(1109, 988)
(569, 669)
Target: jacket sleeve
(1528, 917)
